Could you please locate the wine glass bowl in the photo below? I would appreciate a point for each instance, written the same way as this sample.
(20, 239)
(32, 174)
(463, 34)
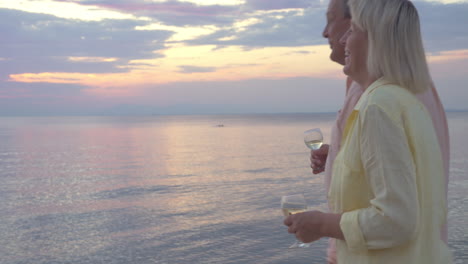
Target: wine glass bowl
(313, 138)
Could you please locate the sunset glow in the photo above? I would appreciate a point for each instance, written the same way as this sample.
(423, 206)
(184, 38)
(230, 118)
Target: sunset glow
(105, 50)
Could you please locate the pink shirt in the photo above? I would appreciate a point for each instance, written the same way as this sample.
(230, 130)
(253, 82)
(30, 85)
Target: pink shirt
(436, 110)
(353, 93)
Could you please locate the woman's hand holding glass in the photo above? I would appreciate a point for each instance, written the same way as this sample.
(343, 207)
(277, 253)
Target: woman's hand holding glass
(293, 204)
(307, 227)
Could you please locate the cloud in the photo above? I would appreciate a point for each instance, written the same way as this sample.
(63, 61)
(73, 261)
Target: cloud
(36, 43)
(193, 69)
(444, 25)
(443, 28)
(277, 23)
(279, 4)
(281, 22)
(156, 53)
(193, 13)
(172, 12)
(288, 28)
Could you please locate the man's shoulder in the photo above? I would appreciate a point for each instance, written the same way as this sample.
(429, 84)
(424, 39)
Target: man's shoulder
(354, 90)
(353, 95)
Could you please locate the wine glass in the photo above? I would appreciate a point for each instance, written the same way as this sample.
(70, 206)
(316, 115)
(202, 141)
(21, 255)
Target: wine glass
(313, 138)
(293, 204)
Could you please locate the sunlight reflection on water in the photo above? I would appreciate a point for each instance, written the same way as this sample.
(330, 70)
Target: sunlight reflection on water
(168, 189)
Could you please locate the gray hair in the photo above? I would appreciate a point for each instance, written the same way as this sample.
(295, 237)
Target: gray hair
(345, 8)
(396, 50)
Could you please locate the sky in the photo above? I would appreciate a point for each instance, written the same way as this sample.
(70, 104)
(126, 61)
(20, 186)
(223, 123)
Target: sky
(151, 57)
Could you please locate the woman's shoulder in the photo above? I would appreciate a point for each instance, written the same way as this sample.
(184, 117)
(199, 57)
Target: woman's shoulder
(392, 99)
(390, 91)
(392, 95)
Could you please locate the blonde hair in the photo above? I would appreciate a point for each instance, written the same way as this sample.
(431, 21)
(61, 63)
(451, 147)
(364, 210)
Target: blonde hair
(396, 50)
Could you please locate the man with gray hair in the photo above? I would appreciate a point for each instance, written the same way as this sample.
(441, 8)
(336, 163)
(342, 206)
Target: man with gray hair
(338, 22)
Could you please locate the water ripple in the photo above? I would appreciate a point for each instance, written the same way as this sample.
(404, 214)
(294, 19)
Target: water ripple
(262, 170)
(134, 191)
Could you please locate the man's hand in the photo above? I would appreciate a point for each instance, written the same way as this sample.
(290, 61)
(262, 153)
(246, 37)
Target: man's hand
(318, 158)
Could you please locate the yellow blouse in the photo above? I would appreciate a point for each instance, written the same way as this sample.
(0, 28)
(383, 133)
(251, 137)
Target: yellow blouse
(388, 181)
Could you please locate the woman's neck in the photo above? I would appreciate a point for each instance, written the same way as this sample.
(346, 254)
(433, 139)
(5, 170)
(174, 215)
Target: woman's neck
(365, 81)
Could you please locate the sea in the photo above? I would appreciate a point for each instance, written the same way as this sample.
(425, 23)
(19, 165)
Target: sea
(172, 189)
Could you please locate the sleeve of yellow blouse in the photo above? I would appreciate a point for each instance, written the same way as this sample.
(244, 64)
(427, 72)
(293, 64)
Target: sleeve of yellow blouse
(392, 218)
(354, 238)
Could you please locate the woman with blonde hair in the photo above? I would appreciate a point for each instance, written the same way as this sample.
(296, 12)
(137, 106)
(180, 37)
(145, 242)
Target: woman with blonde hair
(388, 187)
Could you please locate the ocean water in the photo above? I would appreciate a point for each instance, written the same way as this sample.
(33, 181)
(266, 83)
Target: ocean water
(171, 189)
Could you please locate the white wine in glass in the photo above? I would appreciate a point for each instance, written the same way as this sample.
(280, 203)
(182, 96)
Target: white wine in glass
(293, 204)
(313, 138)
